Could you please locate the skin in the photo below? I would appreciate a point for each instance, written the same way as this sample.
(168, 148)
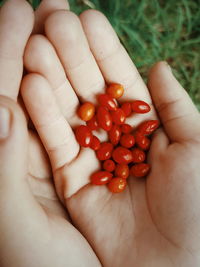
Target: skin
(34, 226)
(155, 221)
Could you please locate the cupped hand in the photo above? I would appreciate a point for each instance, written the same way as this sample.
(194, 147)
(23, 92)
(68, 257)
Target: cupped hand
(34, 227)
(155, 221)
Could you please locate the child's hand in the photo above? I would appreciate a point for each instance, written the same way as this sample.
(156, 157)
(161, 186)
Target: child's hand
(34, 227)
(155, 222)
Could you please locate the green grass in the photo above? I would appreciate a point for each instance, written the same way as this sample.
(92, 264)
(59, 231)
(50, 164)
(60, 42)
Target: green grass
(156, 30)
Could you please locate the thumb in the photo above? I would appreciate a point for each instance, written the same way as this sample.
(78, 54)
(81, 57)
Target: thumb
(179, 116)
(22, 218)
(13, 144)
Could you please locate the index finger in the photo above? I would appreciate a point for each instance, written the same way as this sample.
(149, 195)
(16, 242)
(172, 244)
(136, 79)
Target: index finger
(14, 34)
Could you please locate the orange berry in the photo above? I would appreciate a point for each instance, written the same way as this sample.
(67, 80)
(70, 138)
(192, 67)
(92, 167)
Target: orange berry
(86, 111)
(115, 90)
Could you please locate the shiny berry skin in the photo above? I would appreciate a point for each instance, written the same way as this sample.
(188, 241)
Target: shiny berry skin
(114, 134)
(93, 124)
(83, 135)
(140, 170)
(95, 143)
(118, 116)
(104, 118)
(107, 101)
(105, 151)
(127, 108)
(122, 155)
(139, 106)
(115, 90)
(138, 155)
(117, 185)
(148, 127)
(101, 177)
(86, 111)
(127, 140)
(109, 165)
(122, 171)
(142, 141)
(126, 128)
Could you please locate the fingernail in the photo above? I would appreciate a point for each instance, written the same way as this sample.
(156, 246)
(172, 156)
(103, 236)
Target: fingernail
(4, 122)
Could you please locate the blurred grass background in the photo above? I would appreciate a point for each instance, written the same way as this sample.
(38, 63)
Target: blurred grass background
(156, 30)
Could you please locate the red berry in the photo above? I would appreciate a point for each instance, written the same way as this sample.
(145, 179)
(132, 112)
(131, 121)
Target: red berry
(101, 177)
(122, 171)
(127, 140)
(109, 165)
(115, 90)
(86, 111)
(142, 141)
(140, 170)
(83, 135)
(126, 128)
(138, 155)
(114, 134)
(118, 116)
(127, 108)
(93, 124)
(122, 155)
(148, 127)
(105, 151)
(107, 101)
(104, 118)
(95, 143)
(117, 185)
(139, 106)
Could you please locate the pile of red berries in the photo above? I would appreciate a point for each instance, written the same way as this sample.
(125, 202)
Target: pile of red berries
(125, 152)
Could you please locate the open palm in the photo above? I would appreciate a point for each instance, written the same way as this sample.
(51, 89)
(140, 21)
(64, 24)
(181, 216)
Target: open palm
(156, 220)
(34, 227)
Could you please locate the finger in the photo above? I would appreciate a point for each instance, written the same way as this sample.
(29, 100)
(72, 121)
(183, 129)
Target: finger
(12, 129)
(40, 176)
(112, 58)
(19, 210)
(40, 165)
(54, 131)
(71, 178)
(57, 138)
(65, 32)
(179, 116)
(16, 23)
(46, 8)
(39, 172)
(40, 57)
(159, 146)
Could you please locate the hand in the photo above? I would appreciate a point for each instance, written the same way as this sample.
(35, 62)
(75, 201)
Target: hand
(155, 222)
(34, 227)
